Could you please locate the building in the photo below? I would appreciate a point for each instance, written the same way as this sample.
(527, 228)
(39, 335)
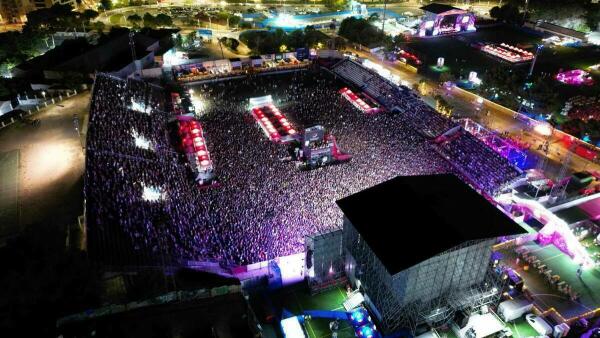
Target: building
(440, 19)
(420, 248)
(556, 30)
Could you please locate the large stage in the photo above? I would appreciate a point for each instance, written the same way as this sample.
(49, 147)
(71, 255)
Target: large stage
(440, 19)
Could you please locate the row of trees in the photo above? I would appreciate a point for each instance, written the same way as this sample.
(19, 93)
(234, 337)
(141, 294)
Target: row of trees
(59, 18)
(574, 14)
(363, 32)
(507, 87)
(582, 128)
(508, 13)
(35, 38)
(150, 21)
(266, 42)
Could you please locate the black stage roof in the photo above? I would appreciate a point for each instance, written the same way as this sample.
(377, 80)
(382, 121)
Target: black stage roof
(439, 8)
(409, 219)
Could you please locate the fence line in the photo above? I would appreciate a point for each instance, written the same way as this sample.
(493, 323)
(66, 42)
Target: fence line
(38, 107)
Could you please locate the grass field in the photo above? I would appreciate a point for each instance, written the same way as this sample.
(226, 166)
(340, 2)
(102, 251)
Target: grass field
(461, 58)
(522, 329)
(299, 300)
(116, 19)
(9, 193)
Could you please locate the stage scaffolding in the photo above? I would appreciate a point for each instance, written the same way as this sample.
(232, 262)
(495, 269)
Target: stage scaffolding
(431, 292)
(324, 260)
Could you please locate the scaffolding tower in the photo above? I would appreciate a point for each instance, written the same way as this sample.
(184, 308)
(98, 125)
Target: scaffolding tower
(431, 292)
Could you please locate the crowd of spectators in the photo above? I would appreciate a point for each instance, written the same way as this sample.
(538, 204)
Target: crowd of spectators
(396, 98)
(143, 206)
(482, 166)
(478, 162)
(265, 205)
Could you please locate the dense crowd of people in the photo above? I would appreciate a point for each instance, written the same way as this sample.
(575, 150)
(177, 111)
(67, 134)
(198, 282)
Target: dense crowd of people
(489, 172)
(265, 205)
(396, 98)
(481, 165)
(143, 206)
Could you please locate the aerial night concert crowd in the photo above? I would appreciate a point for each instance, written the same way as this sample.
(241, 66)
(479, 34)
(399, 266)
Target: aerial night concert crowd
(144, 208)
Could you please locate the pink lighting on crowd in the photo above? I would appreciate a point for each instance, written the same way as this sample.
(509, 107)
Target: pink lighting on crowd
(508, 53)
(575, 77)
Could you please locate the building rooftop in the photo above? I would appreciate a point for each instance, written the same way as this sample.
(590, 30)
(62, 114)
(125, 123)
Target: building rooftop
(440, 8)
(410, 219)
(550, 27)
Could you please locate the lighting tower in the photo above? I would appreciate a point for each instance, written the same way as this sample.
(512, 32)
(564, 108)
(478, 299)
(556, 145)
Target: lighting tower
(530, 74)
(383, 22)
(132, 46)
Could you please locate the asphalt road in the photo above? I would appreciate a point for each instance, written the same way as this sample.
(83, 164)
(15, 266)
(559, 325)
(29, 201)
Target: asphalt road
(51, 165)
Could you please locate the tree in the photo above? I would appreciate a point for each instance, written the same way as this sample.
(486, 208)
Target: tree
(495, 12)
(231, 43)
(442, 106)
(57, 17)
(234, 20)
(373, 17)
(98, 26)
(510, 14)
(313, 37)
(149, 20)
(447, 77)
(361, 31)
(163, 20)
(178, 41)
(336, 4)
(106, 5)
(191, 37)
(592, 16)
(89, 14)
(296, 39)
(134, 20)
